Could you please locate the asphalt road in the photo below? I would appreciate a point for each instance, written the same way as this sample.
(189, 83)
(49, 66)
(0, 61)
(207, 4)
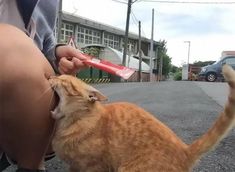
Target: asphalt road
(188, 108)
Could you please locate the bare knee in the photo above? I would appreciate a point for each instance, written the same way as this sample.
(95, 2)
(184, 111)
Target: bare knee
(25, 96)
(24, 69)
(22, 63)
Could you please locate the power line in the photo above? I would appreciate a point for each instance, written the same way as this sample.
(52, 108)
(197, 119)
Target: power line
(134, 1)
(190, 2)
(136, 21)
(120, 1)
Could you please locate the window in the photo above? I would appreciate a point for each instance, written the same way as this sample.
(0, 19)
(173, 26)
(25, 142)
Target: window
(131, 45)
(230, 61)
(111, 40)
(88, 36)
(66, 31)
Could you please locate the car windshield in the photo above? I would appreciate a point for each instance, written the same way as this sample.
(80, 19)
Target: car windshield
(218, 61)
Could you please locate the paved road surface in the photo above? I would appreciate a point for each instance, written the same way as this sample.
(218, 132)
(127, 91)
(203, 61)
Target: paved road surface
(188, 108)
(216, 91)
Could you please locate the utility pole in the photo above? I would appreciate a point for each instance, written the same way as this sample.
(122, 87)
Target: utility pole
(188, 51)
(188, 42)
(156, 66)
(59, 24)
(188, 55)
(151, 50)
(140, 54)
(160, 69)
(126, 32)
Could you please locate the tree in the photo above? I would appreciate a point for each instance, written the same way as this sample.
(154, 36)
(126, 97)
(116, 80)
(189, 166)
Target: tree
(166, 65)
(178, 76)
(174, 69)
(166, 60)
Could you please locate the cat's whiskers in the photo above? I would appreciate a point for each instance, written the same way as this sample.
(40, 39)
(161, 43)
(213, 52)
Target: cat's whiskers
(50, 102)
(43, 93)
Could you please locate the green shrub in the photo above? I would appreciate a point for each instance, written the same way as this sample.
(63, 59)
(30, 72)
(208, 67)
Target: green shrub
(178, 76)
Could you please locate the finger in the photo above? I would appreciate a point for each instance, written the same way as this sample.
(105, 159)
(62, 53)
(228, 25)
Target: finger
(78, 63)
(64, 70)
(66, 63)
(66, 66)
(61, 70)
(78, 54)
(68, 51)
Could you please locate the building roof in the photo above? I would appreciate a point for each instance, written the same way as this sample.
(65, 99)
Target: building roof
(100, 26)
(227, 53)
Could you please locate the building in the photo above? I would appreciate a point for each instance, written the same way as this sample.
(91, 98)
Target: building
(86, 32)
(227, 53)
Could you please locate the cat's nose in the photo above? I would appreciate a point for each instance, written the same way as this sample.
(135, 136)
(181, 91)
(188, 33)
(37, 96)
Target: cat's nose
(52, 81)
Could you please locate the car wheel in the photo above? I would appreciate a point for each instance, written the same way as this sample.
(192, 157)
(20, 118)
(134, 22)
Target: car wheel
(211, 77)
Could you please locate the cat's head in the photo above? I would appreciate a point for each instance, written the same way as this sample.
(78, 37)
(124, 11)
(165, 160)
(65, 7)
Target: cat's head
(73, 94)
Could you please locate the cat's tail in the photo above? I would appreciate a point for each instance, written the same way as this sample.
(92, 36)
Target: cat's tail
(223, 124)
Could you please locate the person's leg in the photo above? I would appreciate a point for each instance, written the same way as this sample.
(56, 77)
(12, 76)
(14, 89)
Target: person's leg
(26, 99)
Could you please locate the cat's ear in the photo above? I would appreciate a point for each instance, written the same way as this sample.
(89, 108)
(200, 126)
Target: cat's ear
(95, 95)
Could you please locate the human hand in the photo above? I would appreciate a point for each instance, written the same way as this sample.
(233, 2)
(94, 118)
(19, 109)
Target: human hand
(70, 60)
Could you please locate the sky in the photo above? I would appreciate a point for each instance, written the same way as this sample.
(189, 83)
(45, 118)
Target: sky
(210, 28)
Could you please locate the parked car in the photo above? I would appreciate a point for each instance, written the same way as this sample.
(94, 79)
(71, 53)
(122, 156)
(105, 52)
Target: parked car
(212, 72)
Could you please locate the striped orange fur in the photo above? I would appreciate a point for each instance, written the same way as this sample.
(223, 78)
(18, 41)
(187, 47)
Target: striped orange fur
(122, 137)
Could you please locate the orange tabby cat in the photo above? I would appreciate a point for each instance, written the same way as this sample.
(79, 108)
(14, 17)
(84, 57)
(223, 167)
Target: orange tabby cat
(122, 137)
